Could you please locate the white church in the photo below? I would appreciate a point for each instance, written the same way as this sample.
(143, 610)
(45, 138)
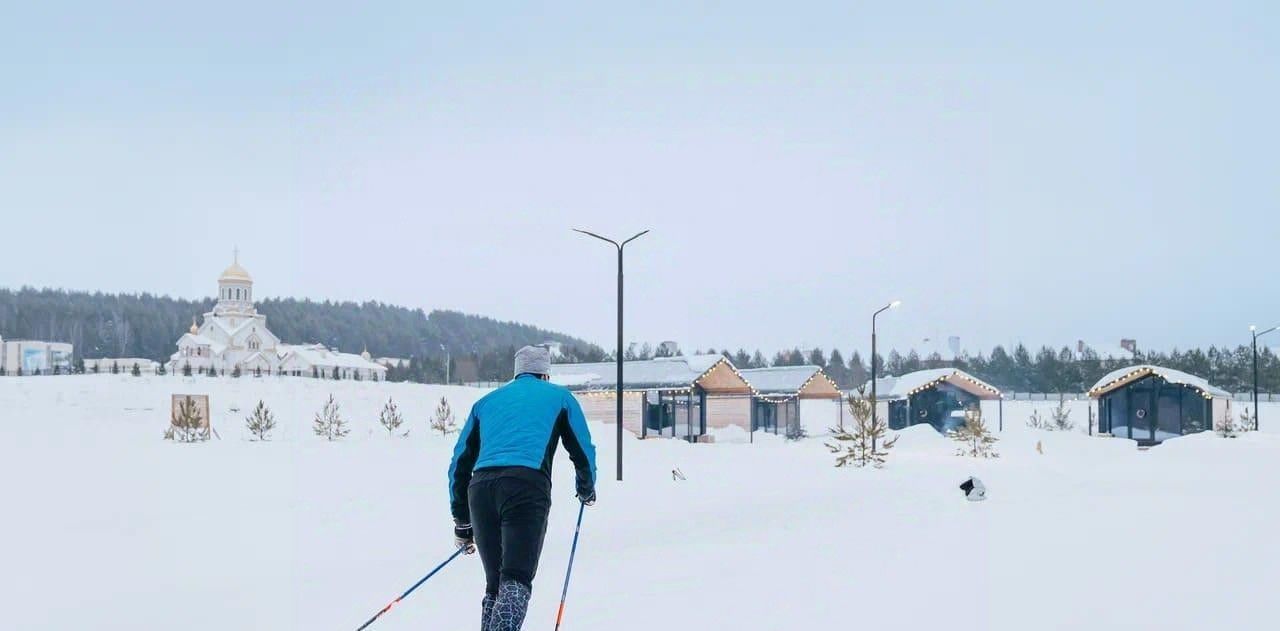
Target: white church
(234, 335)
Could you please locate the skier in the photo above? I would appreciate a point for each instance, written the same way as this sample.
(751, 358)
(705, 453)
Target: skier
(500, 481)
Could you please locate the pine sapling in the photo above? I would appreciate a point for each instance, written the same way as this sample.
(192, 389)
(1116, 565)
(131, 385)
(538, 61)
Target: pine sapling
(391, 419)
(1061, 416)
(864, 443)
(1227, 426)
(261, 422)
(1248, 421)
(1038, 422)
(329, 423)
(442, 421)
(187, 425)
(975, 439)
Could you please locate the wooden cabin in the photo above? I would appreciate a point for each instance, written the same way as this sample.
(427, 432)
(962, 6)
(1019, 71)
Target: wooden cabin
(788, 399)
(938, 397)
(1151, 404)
(679, 397)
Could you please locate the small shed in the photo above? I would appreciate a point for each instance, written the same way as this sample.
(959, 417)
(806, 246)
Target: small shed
(1151, 404)
(788, 399)
(678, 397)
(938, 397)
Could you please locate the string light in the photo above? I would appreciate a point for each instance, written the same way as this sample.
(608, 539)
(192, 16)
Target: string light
(961, 375)
(1138, 373)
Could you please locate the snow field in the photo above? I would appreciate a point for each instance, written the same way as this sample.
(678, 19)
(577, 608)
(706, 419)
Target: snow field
(109, 527)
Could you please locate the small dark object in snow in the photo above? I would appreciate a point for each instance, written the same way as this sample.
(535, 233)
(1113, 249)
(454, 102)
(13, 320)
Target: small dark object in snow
(677, 474)
(974, 490)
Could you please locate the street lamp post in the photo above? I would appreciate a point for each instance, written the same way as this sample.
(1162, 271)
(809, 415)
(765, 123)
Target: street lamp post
(875, 403)
(1256, 335)
(448, 359)
(618, 352)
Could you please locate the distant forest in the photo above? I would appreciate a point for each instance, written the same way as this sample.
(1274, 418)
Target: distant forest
(148, 326)
(128, 325)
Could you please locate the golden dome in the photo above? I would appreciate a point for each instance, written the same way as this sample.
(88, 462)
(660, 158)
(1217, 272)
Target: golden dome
(235, 273)
(195, 330)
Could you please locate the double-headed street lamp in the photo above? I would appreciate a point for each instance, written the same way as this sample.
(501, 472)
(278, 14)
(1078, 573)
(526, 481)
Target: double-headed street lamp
(618, 352)
(875, 402)
(1256, 335)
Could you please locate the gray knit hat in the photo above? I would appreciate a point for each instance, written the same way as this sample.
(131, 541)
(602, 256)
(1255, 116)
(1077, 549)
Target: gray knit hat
(533, 360)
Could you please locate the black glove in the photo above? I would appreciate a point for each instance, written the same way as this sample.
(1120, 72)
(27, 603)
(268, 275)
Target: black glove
(587, 496)
(463, 538)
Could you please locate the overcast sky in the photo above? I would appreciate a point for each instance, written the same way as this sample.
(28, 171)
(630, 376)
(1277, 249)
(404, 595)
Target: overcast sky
(1011, 174)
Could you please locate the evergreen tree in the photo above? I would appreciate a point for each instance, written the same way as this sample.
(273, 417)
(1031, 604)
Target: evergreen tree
(391, 419)
(741, 359)
(186, 369)
(1024, 367)
(235, 372)
(137, 370)
(780, 359)
(911, 363)
(329, 423)
(866, 443)
(857, 370)
(315, 372)
(336, 374)
(896, 366)
(442, 421)
(1061, 416)
(974, 438)
(1226, 426)
(1001, 369)
(161, 370)
(115, 368)
(1036, 421)
(758, 360)
(261, 422)
(837, 370)
(817, 358)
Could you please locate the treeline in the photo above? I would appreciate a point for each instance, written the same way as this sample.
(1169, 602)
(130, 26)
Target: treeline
(1046, 370)
(148, 326)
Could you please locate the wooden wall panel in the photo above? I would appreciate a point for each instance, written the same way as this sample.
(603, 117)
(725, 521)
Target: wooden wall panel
(723, 411)
(722, 379)
(600, 408)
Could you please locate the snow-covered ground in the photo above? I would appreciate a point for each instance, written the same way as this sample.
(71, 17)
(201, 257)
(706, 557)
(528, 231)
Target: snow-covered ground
(108, 527)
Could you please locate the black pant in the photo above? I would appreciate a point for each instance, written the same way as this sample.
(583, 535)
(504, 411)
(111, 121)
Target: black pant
(509, 508)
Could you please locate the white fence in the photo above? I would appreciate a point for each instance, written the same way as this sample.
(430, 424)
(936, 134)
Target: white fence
(1263, 397)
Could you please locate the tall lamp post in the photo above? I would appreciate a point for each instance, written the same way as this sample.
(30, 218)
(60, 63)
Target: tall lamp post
(875, 403)
(618, 352)
(448, 359)
(1256, 335)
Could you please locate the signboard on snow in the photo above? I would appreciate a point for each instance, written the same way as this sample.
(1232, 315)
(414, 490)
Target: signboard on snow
(201, 401)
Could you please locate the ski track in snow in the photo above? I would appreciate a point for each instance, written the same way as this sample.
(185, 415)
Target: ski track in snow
(109, 527)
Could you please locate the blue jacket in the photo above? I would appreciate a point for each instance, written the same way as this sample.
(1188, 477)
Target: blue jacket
(518, 425)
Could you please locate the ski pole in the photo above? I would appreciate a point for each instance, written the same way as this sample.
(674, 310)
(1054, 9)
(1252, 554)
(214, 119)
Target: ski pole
(569, 572)
(410, 590)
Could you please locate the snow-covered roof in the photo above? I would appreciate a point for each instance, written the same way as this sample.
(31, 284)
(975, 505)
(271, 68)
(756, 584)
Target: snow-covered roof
(911, 383)
(319, 355)
(1119, 378)
(779, 379)
(230, 330)
(660, 372)
(193, 339)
